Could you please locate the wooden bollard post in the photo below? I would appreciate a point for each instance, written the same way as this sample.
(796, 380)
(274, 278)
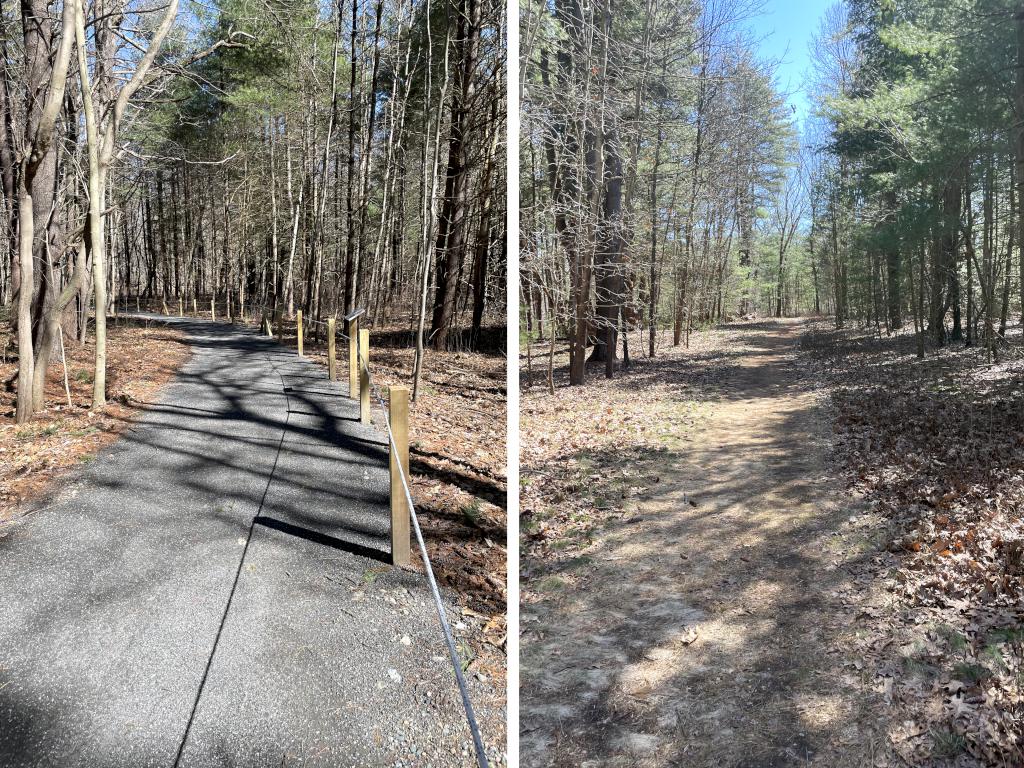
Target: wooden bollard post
(181, 307)
(138, 308)
(213, 308)
(364, 376)
(195, 306)
(332, 362)
(353, 361)
(398, 415)
(298, 331)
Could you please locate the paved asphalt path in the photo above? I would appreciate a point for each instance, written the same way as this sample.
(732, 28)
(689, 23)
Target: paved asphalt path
(212, 589)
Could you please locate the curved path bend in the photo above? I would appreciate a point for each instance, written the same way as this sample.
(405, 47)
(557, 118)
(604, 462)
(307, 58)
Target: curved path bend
(710, 631)
(212, 589)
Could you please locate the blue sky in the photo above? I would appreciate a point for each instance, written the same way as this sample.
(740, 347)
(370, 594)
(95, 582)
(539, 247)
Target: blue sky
(787, 29)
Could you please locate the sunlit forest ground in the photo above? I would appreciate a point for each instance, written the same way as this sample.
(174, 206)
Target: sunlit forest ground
(926, 457)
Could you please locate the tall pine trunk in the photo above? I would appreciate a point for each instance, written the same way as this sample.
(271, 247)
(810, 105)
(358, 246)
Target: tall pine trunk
(453, 229)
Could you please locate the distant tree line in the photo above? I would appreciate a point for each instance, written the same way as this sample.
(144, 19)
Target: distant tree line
(917, 189)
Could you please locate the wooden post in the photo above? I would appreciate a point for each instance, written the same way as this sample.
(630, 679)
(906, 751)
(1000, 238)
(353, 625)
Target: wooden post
(398, 414)
(195, 306)
(353, 361)
(332, 363)
(163, 303)
(364, 376)
(138, 307)
(213, 308)
(181, 307)
(298, 330)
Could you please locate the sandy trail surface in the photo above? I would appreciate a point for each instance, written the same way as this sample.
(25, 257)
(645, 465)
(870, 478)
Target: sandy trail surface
(709, 632)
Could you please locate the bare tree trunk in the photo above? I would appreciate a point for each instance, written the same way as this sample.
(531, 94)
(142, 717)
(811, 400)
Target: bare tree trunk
(289, 289)
(37, 153)
(453, 227)
(365, 155)
(95, 220)
(429, 209)
(274, 258)
(1018, 102)
(652, 287)
(105, 147)
(352, 182)
(483, 240)
(26, 359)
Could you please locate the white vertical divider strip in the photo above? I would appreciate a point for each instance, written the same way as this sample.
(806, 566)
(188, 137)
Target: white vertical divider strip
(512, 382)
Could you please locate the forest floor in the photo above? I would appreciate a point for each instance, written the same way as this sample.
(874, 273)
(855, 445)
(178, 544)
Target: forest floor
(934, 448)
(703, 580)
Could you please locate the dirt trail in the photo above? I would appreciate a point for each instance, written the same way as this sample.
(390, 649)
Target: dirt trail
(709, 632)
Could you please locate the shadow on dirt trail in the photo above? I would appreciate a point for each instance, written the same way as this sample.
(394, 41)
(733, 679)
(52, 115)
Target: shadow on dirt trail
(708, 630)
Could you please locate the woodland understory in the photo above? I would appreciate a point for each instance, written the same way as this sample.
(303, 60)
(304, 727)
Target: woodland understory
(934, 448)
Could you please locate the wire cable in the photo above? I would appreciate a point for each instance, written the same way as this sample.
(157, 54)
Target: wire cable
(442, 615)
(438, 603)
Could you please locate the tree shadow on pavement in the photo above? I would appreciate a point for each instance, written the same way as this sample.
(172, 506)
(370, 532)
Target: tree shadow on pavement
(112, 594)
